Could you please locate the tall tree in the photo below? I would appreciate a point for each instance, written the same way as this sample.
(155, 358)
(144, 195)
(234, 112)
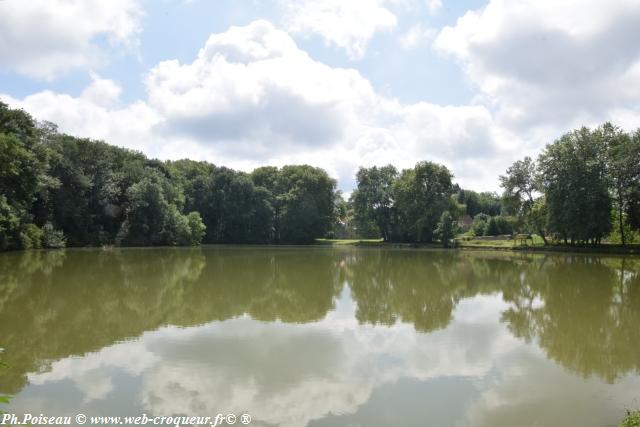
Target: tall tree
(23, 165)
(574, 180)
(421, 195)
(521, 185)
(373, 200)
(308, 210)
(445, 229)
(623, 164)
(233, 208)
(475, 203)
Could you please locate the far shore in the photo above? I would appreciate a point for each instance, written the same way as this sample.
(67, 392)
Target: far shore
(465, 245)
(493, 245)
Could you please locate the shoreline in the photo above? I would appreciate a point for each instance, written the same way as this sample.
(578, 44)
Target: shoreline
(633, 250)
(601, 249)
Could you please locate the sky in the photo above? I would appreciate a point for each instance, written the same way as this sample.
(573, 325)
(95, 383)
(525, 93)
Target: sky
(471, 84)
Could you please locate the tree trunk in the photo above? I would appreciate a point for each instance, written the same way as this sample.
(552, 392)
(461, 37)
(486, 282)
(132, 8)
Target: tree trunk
(621, 222)
(544, 239)
(540, 232)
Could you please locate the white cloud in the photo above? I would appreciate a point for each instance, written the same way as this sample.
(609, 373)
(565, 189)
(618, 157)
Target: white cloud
(433, 5)
(101, 91)
(251, 92)
(43, 38)
(252, 97)
(346, 24)
(416, 35)
(548, 64)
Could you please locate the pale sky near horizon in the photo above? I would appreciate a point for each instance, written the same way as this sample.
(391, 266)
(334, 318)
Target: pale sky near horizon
(337, 84)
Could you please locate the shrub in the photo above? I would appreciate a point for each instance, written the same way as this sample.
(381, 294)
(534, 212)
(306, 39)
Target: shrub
(31, 237)
(479, 224)
(491, 229)
(632, 420)
(197, 228)
(52, 238)
(445, 229)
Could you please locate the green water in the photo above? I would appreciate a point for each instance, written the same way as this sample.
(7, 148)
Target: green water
(323, 336)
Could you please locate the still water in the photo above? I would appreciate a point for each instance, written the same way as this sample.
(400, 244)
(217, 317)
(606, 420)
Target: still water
(323, 336)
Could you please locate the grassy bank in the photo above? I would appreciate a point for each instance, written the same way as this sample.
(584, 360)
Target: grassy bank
(538, 245)
(352, 242)
(535, 245)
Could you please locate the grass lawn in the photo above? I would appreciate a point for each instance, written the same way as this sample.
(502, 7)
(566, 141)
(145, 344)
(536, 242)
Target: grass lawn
(497, 244)
(334, 242)
(478, 243)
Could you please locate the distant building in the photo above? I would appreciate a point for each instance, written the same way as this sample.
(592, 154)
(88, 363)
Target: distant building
(465, 222)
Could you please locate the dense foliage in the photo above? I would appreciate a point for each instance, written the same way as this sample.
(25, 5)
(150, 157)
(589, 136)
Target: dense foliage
(58, 190)
(373, 201)
(582, 186)
(477, 203)
(405, 206)
(631, 420)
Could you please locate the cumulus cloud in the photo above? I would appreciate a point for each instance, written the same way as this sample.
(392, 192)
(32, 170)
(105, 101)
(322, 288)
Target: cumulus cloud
(433, 5)
(251, 92)
(541, 63)
(101, 91)
(253, 97)
(417, 35)
(43, 38)
(346, 24)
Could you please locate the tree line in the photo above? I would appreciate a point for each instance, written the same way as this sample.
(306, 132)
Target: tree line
(57, 190)
(584, 187)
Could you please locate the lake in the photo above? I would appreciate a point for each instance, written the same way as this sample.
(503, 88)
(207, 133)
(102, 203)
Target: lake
(323, 336)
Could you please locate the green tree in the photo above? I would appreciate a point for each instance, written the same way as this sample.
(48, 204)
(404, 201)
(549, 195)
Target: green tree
(52, 238)
(421, 195)
(233, 208)
(146, 213)
(445, 229)
(479, 224)
(491, 228)
(153, 215)
(9, 225)
(475, 203)
(343, 226)
(574, 179)
(197, 229)
(623, 166)
(308, 208)
(22, 177)
(94, 177)
(373, 201)
(521, 184)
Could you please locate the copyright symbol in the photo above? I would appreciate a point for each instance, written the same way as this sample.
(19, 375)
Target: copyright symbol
(81, 418)
(231, 419)
(245, 418)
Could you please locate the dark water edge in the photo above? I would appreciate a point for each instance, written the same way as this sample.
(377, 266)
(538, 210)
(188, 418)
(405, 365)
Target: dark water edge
(578, 249)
